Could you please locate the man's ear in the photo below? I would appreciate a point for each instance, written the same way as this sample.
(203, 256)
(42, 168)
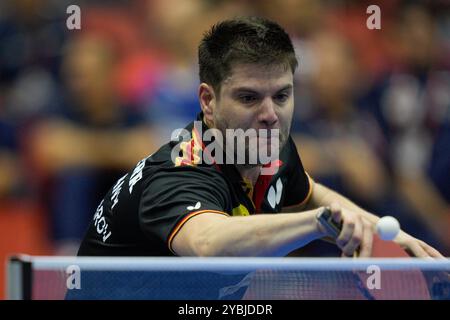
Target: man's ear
(207, 98)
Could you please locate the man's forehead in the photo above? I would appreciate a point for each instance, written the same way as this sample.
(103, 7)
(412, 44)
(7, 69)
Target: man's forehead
(249, 75)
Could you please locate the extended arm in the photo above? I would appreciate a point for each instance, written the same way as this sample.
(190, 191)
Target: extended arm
(210, 234)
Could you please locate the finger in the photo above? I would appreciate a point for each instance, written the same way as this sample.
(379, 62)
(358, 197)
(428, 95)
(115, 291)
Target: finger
(432, 252)
(416, 250)
(348, 228)
(344, 256)
(336, 212)
(367, 241)
(355, 240)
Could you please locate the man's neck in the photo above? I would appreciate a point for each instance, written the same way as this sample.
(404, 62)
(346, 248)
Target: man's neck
(249, 173)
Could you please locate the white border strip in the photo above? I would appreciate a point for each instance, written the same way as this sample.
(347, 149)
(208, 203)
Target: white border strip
(232, 263)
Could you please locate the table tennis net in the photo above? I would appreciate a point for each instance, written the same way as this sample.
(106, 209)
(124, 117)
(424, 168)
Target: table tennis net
(227, 278)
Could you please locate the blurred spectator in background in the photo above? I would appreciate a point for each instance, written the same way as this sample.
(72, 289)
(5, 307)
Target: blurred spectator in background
(176, 27)
(90, 143)
(412, 107)
(30, 47)
(31, 37)
(30, 44)
(331, 133)
(300, 17)
(335, 140)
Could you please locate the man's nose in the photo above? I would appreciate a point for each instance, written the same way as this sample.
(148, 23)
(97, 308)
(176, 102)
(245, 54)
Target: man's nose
(267, 114)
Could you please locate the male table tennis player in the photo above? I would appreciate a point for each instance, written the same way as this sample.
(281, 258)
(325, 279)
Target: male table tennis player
(179, 203)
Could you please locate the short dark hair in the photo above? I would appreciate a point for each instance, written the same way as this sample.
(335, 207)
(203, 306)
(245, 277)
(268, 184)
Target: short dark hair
(243, 40)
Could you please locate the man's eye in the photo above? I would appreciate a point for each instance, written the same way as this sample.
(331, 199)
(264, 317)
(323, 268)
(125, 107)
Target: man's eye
(247, 99)
(281, 97)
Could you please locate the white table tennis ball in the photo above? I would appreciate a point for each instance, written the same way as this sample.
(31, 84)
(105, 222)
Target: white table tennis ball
(388, 228)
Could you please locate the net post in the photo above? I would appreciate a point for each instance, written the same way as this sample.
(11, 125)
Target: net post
(19, 278)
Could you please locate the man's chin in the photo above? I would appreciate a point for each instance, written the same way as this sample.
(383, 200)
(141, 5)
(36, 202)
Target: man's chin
(256, 161)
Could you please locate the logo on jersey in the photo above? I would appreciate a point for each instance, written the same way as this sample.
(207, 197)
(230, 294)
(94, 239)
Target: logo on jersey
(274, 194)
(196, 207)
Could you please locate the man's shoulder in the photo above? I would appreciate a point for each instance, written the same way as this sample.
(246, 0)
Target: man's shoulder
(184, 152)
(166, 167)
(174, 157)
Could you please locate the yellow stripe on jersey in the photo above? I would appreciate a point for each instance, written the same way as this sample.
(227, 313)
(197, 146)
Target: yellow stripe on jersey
(241, 210)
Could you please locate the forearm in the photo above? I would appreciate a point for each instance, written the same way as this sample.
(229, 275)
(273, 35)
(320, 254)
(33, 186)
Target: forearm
(328, 196)
(258, 235)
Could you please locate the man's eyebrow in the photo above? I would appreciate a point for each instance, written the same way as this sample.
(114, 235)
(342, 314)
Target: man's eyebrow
(252, 90)
(244, 89)
(286, 87)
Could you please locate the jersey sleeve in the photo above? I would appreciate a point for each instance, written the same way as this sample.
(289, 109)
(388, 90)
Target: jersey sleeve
(174, 195)
(299, 183)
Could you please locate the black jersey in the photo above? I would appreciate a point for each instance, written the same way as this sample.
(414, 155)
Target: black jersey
(146, 208)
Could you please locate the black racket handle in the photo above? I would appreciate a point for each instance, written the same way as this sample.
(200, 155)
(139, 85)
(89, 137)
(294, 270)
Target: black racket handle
(333, 228)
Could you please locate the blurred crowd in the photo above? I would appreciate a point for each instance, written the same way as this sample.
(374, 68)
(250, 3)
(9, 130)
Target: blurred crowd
(78, 108)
